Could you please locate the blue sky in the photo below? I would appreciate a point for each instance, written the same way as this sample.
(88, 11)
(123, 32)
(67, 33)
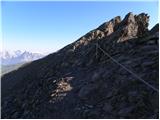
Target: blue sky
(49, 26)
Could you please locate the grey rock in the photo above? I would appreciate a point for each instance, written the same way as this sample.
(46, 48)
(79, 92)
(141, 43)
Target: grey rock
(125, 111)
(87, 90)
(107, 107)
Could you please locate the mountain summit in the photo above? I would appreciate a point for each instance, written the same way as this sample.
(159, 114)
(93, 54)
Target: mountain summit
(110, 72)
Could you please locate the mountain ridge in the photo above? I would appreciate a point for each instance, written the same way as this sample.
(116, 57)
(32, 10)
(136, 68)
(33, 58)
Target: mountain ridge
(79, 81)
(18, 56)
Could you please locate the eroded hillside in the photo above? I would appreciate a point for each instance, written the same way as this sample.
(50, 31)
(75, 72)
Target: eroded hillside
(80, 81)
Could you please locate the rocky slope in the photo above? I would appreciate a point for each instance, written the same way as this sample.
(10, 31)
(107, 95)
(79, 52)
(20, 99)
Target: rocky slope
(80, 81)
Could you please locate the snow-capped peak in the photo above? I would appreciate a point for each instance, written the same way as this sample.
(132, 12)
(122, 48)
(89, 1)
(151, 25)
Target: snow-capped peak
(14, 57)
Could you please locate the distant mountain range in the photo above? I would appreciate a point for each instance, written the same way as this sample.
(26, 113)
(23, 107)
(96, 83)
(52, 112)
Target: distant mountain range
(16, 57)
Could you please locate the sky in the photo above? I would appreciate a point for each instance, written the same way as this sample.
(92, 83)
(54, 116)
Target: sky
(46, 26)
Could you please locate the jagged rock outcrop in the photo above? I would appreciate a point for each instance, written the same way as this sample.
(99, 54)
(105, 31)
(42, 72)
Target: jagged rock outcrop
(80, 81)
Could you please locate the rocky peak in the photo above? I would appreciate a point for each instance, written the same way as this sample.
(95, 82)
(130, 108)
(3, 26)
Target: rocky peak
(129, 18)
(109, 27)
(143, 22)
(132, 26)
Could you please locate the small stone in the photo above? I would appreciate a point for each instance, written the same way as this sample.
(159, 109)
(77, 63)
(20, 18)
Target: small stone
(89, 106)
(93, 114)
(95, 77)
(110, 94)
(133, 93)
(125, 111)
(86, 90)
(15, 115)
(148, 63)
(107, 107)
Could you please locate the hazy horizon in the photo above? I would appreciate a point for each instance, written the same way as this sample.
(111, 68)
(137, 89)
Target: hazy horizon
(46, 27)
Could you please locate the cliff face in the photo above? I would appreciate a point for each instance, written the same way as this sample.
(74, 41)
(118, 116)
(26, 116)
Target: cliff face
(81, 81)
